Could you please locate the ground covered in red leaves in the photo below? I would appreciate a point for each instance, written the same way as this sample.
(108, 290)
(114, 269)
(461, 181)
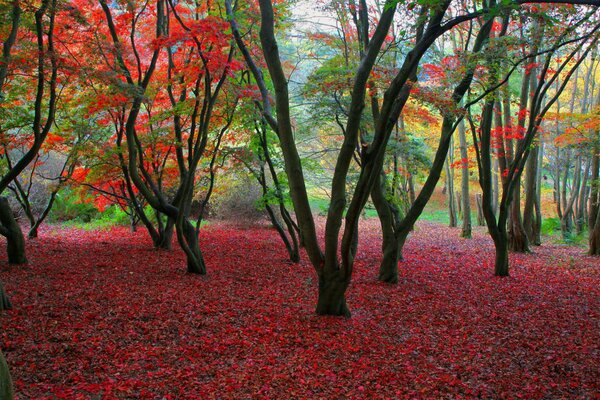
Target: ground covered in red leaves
(102, 315)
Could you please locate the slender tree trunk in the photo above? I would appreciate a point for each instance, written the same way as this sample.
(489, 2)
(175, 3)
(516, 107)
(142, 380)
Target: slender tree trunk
(537, 226)
(450, 186)
(517, 238)
(188, 239)
(33, 232)
(480, 216)
(15, 242)
(581, 201)
(565, 219)
(4, 301)
(495, 185)
(594, 214)
(501, 247)
(6, 387)
(566, 222)
(466, 204)
(529, 216)
(165, 235)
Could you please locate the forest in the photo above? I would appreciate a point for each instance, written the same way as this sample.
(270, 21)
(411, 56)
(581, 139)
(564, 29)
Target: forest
(293, 199)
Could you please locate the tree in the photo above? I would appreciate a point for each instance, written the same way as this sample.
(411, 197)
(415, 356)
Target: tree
(335, 273)
(45, 92)
(539, 105)
(198, 64)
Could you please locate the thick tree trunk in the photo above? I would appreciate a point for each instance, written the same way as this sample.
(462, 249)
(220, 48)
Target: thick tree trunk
(332, 296)
(388, 269)
(6, 388)
(15, 242)
(465, 198)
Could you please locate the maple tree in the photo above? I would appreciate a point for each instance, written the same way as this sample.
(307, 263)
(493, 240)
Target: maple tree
(335, 272)
(43, 94)
(512, 162)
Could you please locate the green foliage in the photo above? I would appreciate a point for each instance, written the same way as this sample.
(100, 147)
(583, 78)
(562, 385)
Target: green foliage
(70, 207)
(550, 226)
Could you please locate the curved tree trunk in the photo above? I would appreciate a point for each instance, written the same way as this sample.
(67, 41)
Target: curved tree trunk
(188, 239)
(6, 388)
(15, 242)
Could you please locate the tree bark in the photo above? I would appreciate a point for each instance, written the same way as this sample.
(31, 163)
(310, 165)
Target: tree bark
(6, 387)
(501, 260)
(332, 299)
(594, 214)
(480, 216)
(517, 238)
(531, 192)
(465, 198)
(15, 242)
(388, 269)
(450, 186)
(4, 301)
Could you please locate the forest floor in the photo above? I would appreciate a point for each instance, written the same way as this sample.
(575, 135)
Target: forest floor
(101, 315)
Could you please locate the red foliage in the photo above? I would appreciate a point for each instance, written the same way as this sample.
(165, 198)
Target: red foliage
(102, 315)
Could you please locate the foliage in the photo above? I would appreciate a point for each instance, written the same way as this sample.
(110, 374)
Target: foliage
(69, 207)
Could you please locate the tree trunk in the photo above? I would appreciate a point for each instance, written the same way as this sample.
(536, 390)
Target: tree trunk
(4, 301)
(332, 300)
(501, 260)
(388, 269)
(529, 216)
(595, 237)
(582, 200)
(190, 245)
(537, 226)
(480, 216)
(566, 222)
(466, 204)
(15, 242)
(6, 388)
(450, 186)
(517, 238)
(165, 235)
(594, 214)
